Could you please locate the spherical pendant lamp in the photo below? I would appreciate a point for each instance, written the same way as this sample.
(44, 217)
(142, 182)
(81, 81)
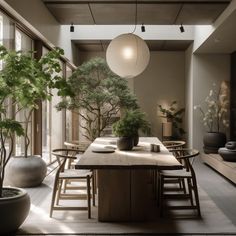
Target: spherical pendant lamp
(127, 55)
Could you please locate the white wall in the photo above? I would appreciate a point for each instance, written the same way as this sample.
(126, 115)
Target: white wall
(37, 14)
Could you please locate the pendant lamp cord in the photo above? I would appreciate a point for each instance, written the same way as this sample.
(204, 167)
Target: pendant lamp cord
(136, 16)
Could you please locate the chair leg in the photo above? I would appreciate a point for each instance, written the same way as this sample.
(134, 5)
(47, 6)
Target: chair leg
(95, 181)
(60, 182)
(64, 185)
(190, 189)
(196, 195)
(55, 185)
(184, 186)
(89, 197)
(93, 190)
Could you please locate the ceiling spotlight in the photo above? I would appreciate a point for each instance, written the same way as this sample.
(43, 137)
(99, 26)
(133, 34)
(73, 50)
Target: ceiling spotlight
(143, 28)
(72, 28)
(181, 28)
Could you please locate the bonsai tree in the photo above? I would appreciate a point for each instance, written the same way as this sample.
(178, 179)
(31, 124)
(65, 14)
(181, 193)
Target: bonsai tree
(174, 115)
(131, 122)
(125, 127)
(33, 78)
(97, 95)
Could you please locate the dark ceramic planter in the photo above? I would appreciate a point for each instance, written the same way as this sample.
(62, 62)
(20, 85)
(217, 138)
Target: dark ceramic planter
(125, 143)
(231, 145)
(213, 141)
(227, 154)
(136, 140)
(13, 210)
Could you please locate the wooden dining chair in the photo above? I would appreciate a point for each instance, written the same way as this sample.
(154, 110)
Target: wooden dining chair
(186, 156)
(173, 144)
(65, 173)
(170, 144)
(82, 146)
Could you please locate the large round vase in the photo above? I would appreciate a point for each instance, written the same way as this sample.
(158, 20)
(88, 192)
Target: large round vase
(26, 172)
(213, 141)
(125, 143)
(13, 210)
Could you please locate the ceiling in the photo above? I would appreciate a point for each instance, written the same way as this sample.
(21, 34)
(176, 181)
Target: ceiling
(149, 12)
(223, 39)
(122, 12)
(154, 45)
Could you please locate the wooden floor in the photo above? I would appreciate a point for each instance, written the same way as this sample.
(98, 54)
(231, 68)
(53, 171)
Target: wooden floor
(215, 218)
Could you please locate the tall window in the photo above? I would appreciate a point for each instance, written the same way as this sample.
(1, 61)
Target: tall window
(70, 132)
(6, 39)
(53, 125)
(23, 43)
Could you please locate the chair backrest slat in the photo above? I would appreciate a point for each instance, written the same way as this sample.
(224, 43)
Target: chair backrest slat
(184, 155)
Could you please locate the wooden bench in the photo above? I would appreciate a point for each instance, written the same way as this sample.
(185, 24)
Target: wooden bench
(226, 168)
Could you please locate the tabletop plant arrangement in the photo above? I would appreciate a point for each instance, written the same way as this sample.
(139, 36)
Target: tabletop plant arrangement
(173, 115)
(96, 95)
(127, 128)
(215, 117)
(23, 82)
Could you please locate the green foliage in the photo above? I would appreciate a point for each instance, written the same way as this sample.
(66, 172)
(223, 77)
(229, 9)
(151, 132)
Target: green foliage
(97, 95)
(24, 81)
(10, 126)
(130, 123)
(174, 115)
(27, 80)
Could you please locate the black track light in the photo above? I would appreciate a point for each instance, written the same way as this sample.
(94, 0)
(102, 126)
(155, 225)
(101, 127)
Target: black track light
(143, 28)
(72, 28)
(181, 28)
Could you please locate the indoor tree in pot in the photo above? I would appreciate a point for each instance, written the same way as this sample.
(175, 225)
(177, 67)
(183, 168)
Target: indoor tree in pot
(14, 202)
(34, 79)
(96, 95)
(127, 128)
(215, 118)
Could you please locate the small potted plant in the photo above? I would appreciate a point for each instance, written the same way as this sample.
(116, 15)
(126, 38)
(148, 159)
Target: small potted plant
(127, 128)
(174, 119)
(140, 123)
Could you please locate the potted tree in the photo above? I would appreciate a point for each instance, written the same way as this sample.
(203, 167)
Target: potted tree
(127, 128)
(33, 78)
(215, 117)
(97, 95)
(174, 118)
(14, 202)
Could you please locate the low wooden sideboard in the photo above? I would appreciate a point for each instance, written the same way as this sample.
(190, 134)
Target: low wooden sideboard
(226, 168)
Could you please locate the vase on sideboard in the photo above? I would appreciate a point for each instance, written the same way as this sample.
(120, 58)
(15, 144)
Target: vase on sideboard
(213, 141)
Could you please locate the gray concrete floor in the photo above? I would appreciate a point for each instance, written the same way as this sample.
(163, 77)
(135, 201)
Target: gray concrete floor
(221, 190)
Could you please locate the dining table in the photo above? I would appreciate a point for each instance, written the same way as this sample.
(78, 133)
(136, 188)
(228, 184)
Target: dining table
(124, 178)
